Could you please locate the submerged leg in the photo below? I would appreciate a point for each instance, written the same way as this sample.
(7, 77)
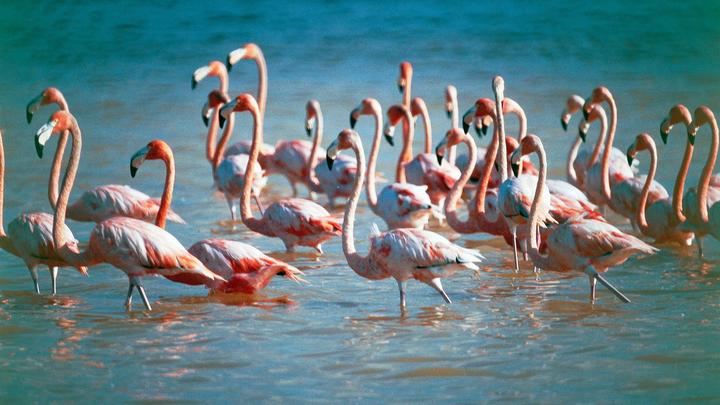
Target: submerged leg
(34, 275)
(128, 299)
(53, 278)
(700, 247)
(138, 285)
(402, 286)
(231, 205)
(590, 271)
(319, 248)
(515, 249)
(593, 282)
(437, 285)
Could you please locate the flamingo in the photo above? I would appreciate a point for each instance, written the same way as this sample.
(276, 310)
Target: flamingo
(246, 269)
(136, 247)
(29, 237)
(622, 192)
(404, 253)
(422, 169)
(584, 243)
(294, 220)
(452, 110)
(657, 220)
(101, 202)
(400, 205)
(336, 182)
(577, 159)
(214, 68)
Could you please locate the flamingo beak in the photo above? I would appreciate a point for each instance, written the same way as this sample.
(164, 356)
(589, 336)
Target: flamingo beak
(565, 120)
(629, 159)
(354, 116)
(389, 130)
(225, 112)
(484, 127)
(691, 136)
(479, 127)
(233, 58)
(586, 109)
(665, 130)
(308, 127)
(468, 118)
(515, 168)
(401, 88)
(198, 75)
(582, 130)
(42, 136)
(206, 114)
(33, 106)
(137, 160)
(331, 154)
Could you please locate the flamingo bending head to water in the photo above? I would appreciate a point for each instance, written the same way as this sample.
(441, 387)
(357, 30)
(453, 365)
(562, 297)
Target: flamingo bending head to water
(402, 254)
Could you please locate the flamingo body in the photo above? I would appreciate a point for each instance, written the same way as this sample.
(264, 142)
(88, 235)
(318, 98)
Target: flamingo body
(424, 170)
(103, 202)
(300, 222)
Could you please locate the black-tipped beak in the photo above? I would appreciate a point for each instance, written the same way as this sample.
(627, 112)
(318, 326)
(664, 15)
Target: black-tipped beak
(629, 159)
(205, 119)
(691, 138)
(479, 131)
(308, 131)
(133, 170)
(586, 114)
(663, 134)
(439, 157)
(353, 121)
(563, 124)
(582, 134)
(449, 114)
(329, 162)
(389, 140)
(39, 147)
(228, 66)
(221, 120)
(193, 83)
(497, 167)
(484, 128)
(515, 168)
(28, 115)
(401, 88)
(466, 127)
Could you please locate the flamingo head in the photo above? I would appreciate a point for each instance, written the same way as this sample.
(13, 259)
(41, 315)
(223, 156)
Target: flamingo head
(154, 150)
(452, 137)
(702, 116)
(498, 86)
(596, 112)
(642, 142)
(573, 104)
(450, 99)
(248, 51)
(528, 145)
(216, 99)
(345, 140)
(311, 111)
(60, 121)
(417, 106)
(677, 114)
(47, 96)
(368, 106)
(214, 68)
(482, 113)
(406, 72)
(395, 113)
(243, 102)
(599, 94)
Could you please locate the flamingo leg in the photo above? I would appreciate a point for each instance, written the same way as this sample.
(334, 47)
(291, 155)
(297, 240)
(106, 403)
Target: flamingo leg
(34, 275)
(319, 248)
(515, 248)
(700, 247)
(402, 286)
(231, 205)
(594, 275)
(141, 289)
(53, 278)
(437, 285)
(128, 299)
(592, 281)
(261, 208)
(294, 188)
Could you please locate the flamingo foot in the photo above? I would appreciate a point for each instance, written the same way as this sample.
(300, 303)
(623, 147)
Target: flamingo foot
(128, 299)
(594, 275)
(53, 278)
(437, 285)
(34, 275)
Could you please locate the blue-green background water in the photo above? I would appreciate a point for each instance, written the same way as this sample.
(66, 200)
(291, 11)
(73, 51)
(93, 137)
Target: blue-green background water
(125, 70)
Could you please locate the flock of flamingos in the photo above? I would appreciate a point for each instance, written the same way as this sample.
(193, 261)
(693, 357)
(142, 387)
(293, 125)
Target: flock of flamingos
(557, 225)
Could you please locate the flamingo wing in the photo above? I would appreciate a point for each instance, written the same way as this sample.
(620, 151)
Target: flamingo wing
(103, 202)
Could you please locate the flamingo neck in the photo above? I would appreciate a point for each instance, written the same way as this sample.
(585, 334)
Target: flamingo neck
(56, 168)
(315, 147)
(254, 224)
(467, 226)
(210, 142)
(406, 154)
(539, 260)
(512, 107)
(224, 81)
(224, 139)
(167, 194)
(370, 190)
(679, 187)
(407, 92)
(65, 251)
(455, 122)
(704, 182)
(490, 156)
(572, 155)
(5, 242)
(262, 81)
(605, 168)
(601, 139)
(640, 213)
(500, 123)
(427, 125)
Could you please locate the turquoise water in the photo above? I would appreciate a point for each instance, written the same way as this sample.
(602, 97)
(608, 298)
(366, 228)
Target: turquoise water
(125, 70)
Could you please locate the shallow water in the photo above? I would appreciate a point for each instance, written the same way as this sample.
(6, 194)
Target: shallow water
(125, 71)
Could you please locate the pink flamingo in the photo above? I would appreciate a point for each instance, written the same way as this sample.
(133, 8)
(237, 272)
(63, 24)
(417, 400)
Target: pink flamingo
(402, 254)
(585, 243)
(400, 205)
(29, 237)
(214, 68)
(246, 269)
(577, 159)
(101, 202)
(422, 169)
(294, 220)
(335, 183)
(657, 220)
(453, 113)
(622, 192)
(134, 246)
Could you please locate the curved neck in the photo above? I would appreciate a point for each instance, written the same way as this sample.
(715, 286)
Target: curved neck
(512, 107)
(224, 81)
(315, 146)
(679, 188)
(704, 182)
(210, 142)
(56, 168)
(224, 139)
(572, 155)
(640, 213)
(605, 169)
(601, 139)
(490, 156)
(455, 122)
(539, 260)
(467, 226)
(67, 253)
(262, 81)
(166, 199)
(251, 222)
(370, 190)
(427, 125)
(500, 123)
(406, 154)
(407, 94)
(358, 263)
